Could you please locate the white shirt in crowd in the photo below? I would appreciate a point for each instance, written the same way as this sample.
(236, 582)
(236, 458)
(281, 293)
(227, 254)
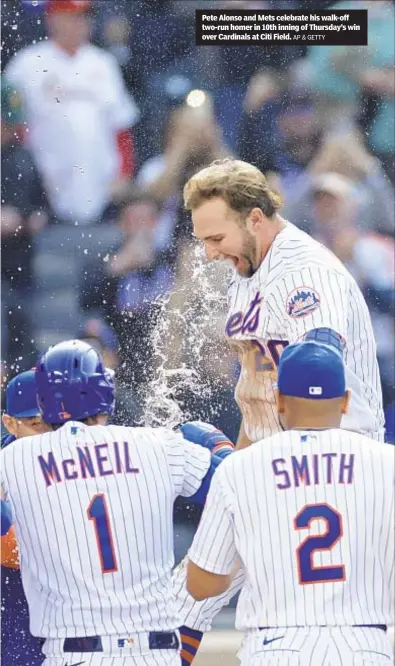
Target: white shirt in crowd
(75, 105)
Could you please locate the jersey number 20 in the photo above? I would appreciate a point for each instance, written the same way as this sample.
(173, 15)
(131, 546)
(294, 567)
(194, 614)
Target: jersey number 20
(98, 512)
(308, 573)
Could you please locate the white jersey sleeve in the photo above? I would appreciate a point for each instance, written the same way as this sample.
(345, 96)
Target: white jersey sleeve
(15, 72)
(213, 547)
(189, 463)
(122, 109)
(310, 298)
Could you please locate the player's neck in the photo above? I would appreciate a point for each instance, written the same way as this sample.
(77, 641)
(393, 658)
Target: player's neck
(315, 424)
(275, 226)
(67, 48)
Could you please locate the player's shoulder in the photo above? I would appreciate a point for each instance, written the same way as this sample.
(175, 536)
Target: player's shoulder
(24, 445)
(374, 448)
(144, 434)
(27, 59)
(261, 449)
(360, 444)
(96, 53)
(295, 251)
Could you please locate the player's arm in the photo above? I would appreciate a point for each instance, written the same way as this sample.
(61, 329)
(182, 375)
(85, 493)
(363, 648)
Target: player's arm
(213, 556)
(311, 304)
(191, 466)
(209, 437)
(215, 441)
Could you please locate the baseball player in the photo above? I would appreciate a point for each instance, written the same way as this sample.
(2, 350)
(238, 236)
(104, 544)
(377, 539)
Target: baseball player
(92, 508)
(285, 287)
(22, 418)
(310, 514)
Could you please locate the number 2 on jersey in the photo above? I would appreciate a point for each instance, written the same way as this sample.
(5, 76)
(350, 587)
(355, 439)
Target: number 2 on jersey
(98, 512)
(308, 573)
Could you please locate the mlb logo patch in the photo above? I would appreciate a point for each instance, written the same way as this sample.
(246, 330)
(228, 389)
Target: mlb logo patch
(302, 302)
(315, 390)
(125, 642)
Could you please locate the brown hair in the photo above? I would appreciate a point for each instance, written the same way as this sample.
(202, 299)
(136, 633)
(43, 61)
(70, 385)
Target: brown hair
(240, 184)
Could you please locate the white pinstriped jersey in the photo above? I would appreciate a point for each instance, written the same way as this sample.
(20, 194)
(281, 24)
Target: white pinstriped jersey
(300, 286)
(311, 517)
(93, 515)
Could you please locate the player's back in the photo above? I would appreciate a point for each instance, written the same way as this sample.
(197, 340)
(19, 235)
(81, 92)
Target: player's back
(314, 517)
(93, 508)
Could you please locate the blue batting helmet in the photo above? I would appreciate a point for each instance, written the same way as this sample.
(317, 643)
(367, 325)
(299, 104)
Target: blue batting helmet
(72, 383)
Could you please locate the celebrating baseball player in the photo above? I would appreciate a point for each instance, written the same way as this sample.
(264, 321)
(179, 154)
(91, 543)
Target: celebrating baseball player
(92, 509)
(285, 287)
(310, 514)
(22, 418)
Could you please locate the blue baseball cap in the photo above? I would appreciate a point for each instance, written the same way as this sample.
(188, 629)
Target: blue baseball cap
(21, 396)
(311, 370)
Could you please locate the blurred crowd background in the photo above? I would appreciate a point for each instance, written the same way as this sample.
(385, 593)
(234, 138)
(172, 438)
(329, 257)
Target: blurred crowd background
(108, 108)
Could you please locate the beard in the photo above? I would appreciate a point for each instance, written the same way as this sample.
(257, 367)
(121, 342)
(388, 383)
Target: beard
(248, 255)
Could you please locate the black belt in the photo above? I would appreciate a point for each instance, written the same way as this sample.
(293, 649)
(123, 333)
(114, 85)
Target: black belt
(383, 627)
(157, 640)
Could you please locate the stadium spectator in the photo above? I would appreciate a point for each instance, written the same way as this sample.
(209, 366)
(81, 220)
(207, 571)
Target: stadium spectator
(78, 113)
(356, 84)
(22, 215)
(127, 285)
(280, 129)
(346, 154)
(192, 139)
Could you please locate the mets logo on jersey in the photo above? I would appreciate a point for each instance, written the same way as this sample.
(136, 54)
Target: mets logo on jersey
(302, 301)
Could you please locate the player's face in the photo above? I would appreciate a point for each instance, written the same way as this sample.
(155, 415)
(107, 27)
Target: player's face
(25, 427)
(224, 237)
(70, 29)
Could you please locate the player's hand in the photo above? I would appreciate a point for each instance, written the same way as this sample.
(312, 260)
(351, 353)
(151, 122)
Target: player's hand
(205, 435)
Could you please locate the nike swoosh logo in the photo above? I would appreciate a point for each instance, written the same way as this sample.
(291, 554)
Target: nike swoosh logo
(270, 640)
(78, 664)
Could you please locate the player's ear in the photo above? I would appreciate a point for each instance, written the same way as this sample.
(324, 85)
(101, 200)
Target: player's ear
(9, 423)
(280, 402)
(346, 402)
(254, 220)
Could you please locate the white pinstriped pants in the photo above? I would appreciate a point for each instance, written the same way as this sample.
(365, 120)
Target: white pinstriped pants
(156, 658)
(317, 646)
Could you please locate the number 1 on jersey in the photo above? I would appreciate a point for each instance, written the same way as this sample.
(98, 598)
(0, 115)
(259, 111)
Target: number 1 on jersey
(98, 512)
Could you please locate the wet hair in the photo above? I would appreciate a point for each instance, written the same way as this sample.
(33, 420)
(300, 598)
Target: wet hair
(240, 184)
